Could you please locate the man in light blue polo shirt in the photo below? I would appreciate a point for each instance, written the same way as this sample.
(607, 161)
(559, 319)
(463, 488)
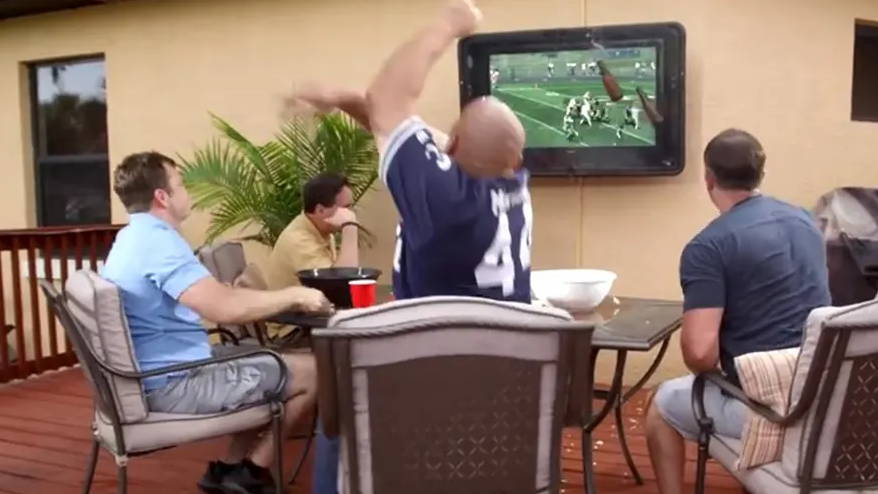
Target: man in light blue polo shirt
(166, 292)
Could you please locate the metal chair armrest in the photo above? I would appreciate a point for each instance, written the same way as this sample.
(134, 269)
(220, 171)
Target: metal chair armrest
(205, 362)
(736, 392)
(225, 333)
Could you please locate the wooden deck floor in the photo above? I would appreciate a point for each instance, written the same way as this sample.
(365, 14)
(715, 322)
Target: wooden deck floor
(44, 441)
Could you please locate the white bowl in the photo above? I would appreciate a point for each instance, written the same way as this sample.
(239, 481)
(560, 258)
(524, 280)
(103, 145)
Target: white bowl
(574, 290)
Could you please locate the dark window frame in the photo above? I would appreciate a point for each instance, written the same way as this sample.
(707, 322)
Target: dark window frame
(41, 162)
(860, 84)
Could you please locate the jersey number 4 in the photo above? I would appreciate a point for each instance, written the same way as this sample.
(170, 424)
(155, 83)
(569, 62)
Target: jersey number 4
(497, 267)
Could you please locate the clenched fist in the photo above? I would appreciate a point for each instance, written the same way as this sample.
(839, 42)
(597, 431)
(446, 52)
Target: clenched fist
(463, 17)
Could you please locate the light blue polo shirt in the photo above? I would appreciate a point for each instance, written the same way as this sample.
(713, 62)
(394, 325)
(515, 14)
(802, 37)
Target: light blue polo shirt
(152, 264)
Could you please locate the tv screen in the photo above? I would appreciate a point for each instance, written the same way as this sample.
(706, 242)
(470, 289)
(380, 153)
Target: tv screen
(593, 101)
(560, 98)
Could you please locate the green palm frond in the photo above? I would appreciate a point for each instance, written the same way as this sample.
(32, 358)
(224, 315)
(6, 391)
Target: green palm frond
(247, 185)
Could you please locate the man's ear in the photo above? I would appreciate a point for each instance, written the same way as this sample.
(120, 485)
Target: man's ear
(161, 197)
(709, 179)
(451, 147)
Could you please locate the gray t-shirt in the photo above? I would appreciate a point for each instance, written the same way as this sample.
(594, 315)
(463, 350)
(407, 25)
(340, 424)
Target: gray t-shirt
(764, 263)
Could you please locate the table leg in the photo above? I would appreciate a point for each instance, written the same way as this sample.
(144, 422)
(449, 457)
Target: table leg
(620, 428)
(613, 396)
(613, 393)
(587, 463)
(623, 398)
(585, 441)
(649, 372)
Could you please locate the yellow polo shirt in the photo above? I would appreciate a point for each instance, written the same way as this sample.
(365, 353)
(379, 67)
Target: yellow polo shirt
(300, 246)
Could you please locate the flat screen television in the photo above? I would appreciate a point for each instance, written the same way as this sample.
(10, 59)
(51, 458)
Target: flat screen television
(605, 100)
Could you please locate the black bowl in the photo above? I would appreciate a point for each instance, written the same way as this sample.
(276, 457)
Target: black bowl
(333, 282)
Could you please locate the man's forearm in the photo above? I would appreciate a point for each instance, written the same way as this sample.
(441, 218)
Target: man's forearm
(348, 255)
(354, 104)
(245, 305)
(399, 83)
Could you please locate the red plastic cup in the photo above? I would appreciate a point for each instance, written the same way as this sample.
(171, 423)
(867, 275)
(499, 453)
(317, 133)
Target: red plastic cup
(362, 293)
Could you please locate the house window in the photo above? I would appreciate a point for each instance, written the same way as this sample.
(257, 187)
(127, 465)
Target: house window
(69, 103)
(864, 100)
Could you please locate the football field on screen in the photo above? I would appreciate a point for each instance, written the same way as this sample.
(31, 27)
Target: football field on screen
(540, 107)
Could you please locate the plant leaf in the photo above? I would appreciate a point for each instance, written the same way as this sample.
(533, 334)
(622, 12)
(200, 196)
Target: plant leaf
(248, 186)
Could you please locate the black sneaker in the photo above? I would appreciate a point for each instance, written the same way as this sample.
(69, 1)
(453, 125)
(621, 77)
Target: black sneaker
(248, 478)
(211, 481)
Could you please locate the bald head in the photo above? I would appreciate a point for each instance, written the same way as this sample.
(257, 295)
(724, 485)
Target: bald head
(488, 139)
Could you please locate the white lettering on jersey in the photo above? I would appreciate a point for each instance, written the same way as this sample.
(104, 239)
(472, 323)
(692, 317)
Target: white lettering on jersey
(432, 152)
(497, 267)
(527, 233)
(398, 252)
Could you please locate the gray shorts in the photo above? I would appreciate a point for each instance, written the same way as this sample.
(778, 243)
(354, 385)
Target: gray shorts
(674, 402)
(219, 387)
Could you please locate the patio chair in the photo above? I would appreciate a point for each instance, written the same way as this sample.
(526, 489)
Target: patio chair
(227, 263)
(452, 394)
(830, 441)
(92, 315)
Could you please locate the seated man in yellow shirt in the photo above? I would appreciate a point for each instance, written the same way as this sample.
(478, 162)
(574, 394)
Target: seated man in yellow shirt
(307, 242)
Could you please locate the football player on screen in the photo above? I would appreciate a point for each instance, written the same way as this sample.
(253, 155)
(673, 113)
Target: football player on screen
(631, 119)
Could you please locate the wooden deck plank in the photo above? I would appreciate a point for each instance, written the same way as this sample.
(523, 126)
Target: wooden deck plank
(45, 439)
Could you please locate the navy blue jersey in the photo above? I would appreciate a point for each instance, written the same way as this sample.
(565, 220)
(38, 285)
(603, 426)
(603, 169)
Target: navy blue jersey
(458, 235)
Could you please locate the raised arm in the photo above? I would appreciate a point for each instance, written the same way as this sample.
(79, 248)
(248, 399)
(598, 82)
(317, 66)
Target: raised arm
(327, 98)
(395, 90)
(350, 101)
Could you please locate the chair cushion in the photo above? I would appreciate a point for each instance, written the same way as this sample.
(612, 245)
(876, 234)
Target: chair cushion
(96, 305)
(770, 477)
(766, 378)
(164, 430)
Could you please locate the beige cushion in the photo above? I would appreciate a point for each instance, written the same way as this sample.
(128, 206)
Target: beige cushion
(163, 430)
(96, 305)
(768, 478)
(766, 378)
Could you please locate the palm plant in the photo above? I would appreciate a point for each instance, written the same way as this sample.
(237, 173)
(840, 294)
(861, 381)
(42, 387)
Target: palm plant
(245, 185)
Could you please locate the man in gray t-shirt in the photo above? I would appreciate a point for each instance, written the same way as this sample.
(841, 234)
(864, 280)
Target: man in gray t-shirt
(749, 281)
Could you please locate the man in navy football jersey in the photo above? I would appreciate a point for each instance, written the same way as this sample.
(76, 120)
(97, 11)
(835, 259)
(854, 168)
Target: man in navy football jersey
(465, 209)
(465, 225)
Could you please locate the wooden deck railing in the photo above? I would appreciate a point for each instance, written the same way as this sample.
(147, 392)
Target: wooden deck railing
(31, 341)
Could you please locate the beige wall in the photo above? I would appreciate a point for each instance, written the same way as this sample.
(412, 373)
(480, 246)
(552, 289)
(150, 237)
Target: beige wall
(751, 64)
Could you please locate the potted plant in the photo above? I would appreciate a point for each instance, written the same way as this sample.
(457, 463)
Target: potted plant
(244, 184)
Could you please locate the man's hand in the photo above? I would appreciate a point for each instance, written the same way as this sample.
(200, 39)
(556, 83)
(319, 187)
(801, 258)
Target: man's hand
(309, 300)
(341, 216)
(463, 17)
